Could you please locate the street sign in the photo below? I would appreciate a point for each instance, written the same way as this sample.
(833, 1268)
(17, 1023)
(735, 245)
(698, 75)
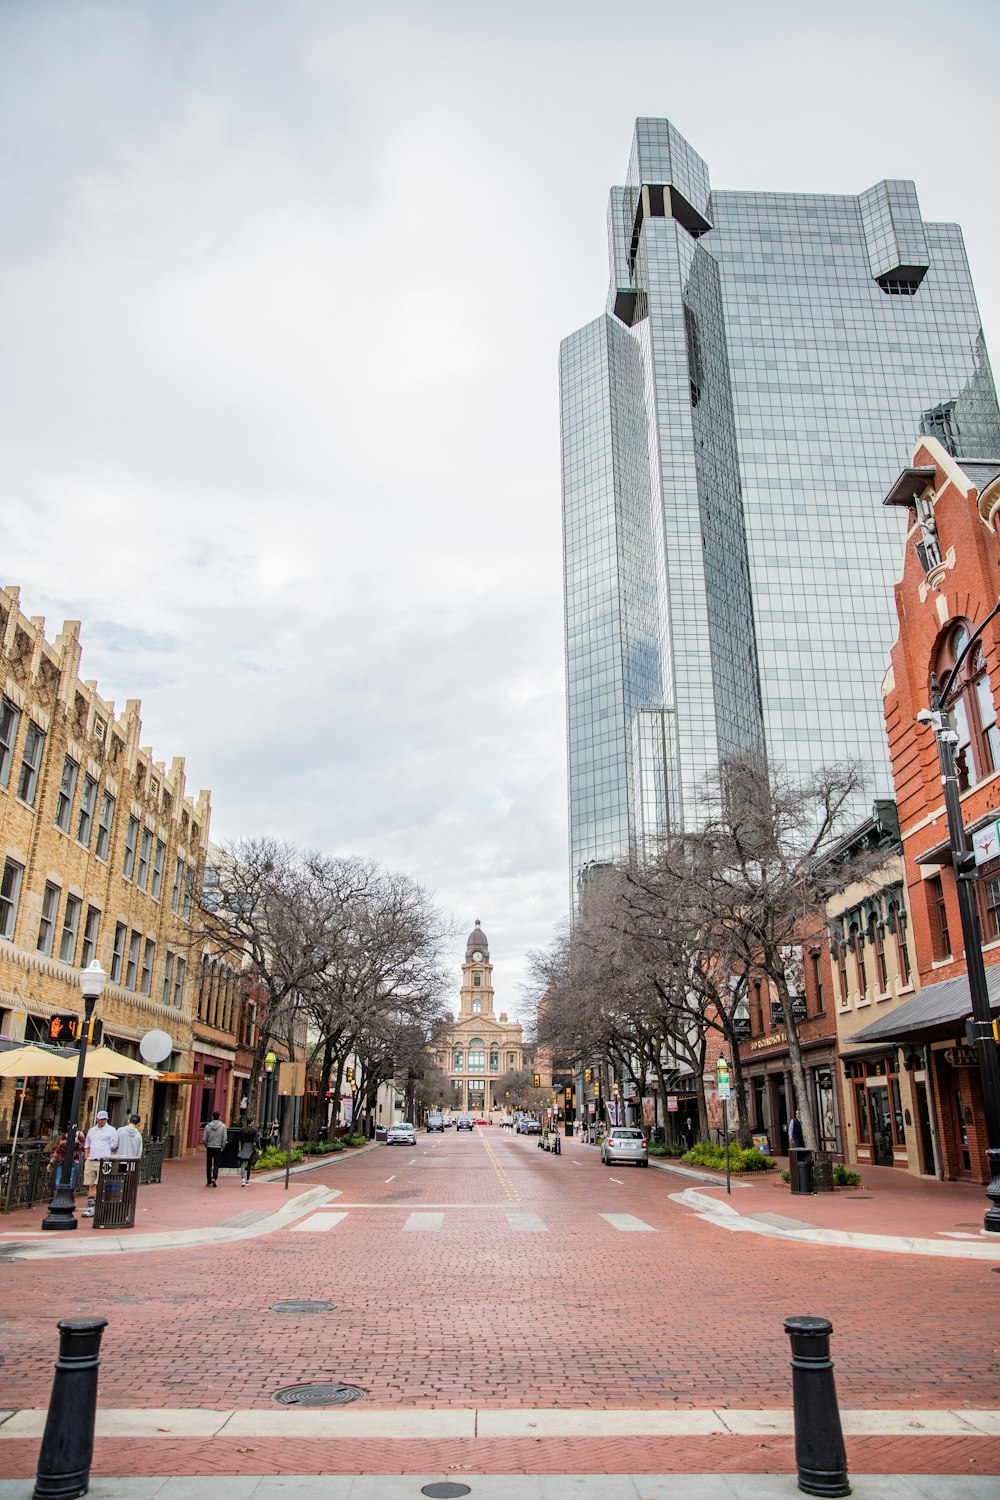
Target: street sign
(291, 1079)
(672, 1104)
(722, 1088)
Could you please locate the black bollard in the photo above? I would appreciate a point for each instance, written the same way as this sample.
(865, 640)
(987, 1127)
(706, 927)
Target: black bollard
(819, 1441)
(68, 1441)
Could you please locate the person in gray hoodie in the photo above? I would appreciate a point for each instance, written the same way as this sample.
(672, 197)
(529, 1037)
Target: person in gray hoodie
(130, 1140)
(214, 1137)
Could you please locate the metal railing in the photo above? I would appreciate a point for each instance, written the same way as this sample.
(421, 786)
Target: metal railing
(28, 1176)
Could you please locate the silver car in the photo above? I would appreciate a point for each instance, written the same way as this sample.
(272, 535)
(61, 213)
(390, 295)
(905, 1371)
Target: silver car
(624, 1144)
(401, 1135)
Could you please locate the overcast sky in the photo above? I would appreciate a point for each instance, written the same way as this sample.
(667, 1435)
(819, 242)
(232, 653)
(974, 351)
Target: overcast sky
(282, 288)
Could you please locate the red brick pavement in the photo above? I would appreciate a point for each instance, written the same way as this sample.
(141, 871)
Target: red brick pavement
(478, 1315)
(648, 1455)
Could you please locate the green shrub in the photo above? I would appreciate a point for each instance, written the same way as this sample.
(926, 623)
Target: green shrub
(786, 1175)
(740, 1160)
(355, 1140)
(655, 1149)
(273, 1156)
(844, 1177)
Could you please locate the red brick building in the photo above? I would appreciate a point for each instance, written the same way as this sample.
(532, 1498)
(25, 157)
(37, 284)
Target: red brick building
(949, 585)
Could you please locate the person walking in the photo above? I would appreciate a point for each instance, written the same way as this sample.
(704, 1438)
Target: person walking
(129, 1140)
(99, 1144)
(247, 1154)
(795, 1136)
(214, 1138)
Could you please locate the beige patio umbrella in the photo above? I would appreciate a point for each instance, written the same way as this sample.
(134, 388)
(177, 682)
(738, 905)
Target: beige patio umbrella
(105, 1062)
(35, 1062)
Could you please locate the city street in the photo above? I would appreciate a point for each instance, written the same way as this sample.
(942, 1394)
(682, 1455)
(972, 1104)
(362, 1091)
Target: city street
(475, 1273)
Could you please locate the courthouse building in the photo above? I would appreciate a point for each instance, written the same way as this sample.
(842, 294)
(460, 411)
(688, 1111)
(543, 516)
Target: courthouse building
(479, 1045)
(102, 853)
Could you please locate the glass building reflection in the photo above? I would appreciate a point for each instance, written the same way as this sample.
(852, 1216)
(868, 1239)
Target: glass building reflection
(730, 425)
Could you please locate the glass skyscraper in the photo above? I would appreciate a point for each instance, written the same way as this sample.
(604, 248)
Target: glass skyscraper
(730, 426)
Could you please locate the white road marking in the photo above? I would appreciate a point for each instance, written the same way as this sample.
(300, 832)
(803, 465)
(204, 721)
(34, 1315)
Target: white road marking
(424, 1221)
(628, 1223)
(317, 1223)
(527, 1223)
(616, 1179)
(392, 1178)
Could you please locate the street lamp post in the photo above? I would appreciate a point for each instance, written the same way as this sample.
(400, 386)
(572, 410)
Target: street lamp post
(964, 863)
(62, 1209)
(270, 1063)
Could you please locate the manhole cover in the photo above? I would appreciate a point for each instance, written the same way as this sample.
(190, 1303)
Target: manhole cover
(302, 1307)
(446, 1490)
(316, 1394)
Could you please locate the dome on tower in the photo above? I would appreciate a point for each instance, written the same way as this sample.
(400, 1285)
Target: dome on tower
(477, 944)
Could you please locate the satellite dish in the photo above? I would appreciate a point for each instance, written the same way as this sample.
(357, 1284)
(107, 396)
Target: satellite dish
(155, 1047)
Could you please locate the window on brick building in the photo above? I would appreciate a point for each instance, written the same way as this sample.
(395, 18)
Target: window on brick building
(875, 931)
(168, 978)
(91, 929)
(132, 965)
(47, 919)
(897, 925)
(972, 712)
(757, 1009)
(859, 958)
(158, 858)
(118, 953)
(131, 839)
(842, 973)
(10, 718)
(10, 894)
(70, 928)
(31, 760)
(85, 821)
(104, 825)
(148, 959)
(180, 968)
(67, 791)
(938, 915)
(175, 895)
(142, 874)
(816, 965)
(989, 908)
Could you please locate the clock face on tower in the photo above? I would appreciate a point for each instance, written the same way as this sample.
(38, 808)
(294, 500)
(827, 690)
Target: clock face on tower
(477, 956)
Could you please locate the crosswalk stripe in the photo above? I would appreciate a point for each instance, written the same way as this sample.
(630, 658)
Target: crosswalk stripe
(627, 1222)
(424, 1221)
(528, 1223)
(317, 1223)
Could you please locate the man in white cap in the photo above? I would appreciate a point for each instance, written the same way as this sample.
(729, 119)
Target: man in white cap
(100, 1144)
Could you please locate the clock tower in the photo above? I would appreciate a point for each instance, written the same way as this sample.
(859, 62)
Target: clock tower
(479, 1046)
(476, 998)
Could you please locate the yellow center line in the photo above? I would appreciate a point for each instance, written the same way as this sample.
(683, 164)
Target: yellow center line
(501, 1171)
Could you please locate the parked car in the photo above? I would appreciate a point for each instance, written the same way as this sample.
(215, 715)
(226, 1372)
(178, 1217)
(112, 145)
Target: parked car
(449, 1122)
(401, 1135)
(623, 1144)
(528, 1126)
(435, 1121)
(464, 1122)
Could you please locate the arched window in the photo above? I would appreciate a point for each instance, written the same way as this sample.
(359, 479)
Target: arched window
(875, 929)
(477, 1006)
(477, 1055)
(858, 944)
(459, 1059)
(494, 1060)
(972, 712)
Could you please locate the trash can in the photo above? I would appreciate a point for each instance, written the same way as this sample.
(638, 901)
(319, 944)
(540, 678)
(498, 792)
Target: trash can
(800, 1165)
(117, 1187)
(822, 1172)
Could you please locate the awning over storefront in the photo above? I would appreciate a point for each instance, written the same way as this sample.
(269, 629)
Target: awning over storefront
(938, 1012)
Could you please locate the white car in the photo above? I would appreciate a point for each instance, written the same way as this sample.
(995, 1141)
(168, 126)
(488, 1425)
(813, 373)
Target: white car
(623, 1144)
(401, 1135)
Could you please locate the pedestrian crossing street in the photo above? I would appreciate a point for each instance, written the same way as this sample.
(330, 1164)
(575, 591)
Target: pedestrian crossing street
(422, 1221)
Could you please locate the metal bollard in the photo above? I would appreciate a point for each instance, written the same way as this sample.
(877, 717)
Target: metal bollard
(819, 1442)
(68, 1441)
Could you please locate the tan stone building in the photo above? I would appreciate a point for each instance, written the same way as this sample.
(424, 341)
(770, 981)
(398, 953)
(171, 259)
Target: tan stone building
(479, 1045)
(102, 854)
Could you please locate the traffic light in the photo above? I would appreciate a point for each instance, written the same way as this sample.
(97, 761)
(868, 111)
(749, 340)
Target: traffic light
(588, 1074)
(350, 1075)
(538, 1080)
(569, 1091)
(597, 1089)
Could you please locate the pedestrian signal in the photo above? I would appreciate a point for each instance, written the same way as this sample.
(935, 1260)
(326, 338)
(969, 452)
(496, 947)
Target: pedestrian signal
(65, 1031)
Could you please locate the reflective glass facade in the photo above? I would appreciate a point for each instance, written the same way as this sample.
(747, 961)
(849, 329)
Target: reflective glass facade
(729, 430)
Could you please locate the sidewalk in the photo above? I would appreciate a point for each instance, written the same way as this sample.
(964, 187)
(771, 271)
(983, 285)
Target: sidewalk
(891, 1211)
(180, 1212)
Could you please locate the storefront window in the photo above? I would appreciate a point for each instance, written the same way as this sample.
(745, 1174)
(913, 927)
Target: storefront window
(861, 1111)
(897, 1112)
